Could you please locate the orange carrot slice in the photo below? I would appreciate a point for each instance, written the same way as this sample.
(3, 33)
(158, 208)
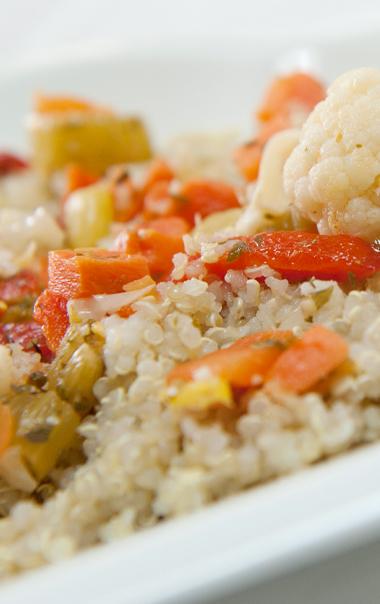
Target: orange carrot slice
(157, 240)
(159, 170)
(45, 103)
(77, 178)
(203, 197)
(310, 359)
(284, 91)
(92, 271)
(244, 364)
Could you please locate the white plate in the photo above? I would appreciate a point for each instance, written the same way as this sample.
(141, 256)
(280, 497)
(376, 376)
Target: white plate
(231, 550)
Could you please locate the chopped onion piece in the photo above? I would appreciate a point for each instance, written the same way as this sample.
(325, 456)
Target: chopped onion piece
(97, 307)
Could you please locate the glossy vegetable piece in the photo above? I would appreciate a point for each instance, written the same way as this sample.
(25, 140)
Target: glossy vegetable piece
(77, 366)
(157, 240)
(297, 256)
(11, 163)
(45, 426)
(89, 272)
(158, 171)
(29, 335)
(196, 196)
(286, 96)
(203, 394)
(7, 427)
(285, 92)
(50, 312)
(77, 178)
(243, 364)
(203, 197)
(87, 215)
(66, 130)
(310, 359)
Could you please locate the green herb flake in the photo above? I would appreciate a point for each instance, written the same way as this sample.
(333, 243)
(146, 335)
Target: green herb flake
(237, 250)
(281, 344)
(322, 297)
(352, 278)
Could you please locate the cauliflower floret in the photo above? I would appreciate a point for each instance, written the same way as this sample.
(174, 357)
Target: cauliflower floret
(333, 174)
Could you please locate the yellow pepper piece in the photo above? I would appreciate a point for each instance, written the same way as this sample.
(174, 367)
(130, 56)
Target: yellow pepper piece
(94, 141)
(88, 213)
(204, 393)
(46, 425)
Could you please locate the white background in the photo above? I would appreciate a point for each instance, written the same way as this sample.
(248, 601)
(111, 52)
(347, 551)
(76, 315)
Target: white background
(31, 28)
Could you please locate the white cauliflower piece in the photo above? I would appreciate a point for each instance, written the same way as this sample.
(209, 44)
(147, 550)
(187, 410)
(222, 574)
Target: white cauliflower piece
(333, 174)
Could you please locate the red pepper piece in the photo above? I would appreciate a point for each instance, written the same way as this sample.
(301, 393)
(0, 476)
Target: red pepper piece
(11, 163)
(297, 256)
(29, 334)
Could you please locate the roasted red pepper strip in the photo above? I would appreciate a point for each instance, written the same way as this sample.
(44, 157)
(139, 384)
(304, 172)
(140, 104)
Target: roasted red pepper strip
(297, 256)
(10, 163)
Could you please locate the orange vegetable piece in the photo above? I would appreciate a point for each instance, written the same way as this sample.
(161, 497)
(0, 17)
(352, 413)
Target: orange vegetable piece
(51, 313)
(7, 427)
(92, 271)
(158, 202)
(283, 96)
(157, 240)
(243, 364)
(159, 170)
(310, 359)
(77, 178)
(45, 103)
(202, 196)
(248, 156)
(284, 91)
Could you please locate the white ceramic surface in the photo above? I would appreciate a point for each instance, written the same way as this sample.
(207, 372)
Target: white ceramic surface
(234, 550)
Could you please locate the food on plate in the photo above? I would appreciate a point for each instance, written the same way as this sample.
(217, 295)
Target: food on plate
(64, 130)
(177, 329)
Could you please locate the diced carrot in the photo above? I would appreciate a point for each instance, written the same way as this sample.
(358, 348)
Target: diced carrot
(77, 177)
(173, 226)
(298, 90)
(203, 197)
(127, 200)
(157, 240)
(299, 87)
(159, 203)
(44, 103)
(159, 170)
(310, 359)
(7, 427)
(248, 156)
(50, 312)
(92, 271)
(244, 364)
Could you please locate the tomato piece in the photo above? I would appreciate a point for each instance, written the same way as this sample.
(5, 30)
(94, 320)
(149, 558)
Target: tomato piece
(51, 313)
(11, 163)
(30, 335)
(297, 256)
(25, 284)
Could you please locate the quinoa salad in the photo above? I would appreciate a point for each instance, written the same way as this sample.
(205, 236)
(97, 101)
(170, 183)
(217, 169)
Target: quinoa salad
(179, 325)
